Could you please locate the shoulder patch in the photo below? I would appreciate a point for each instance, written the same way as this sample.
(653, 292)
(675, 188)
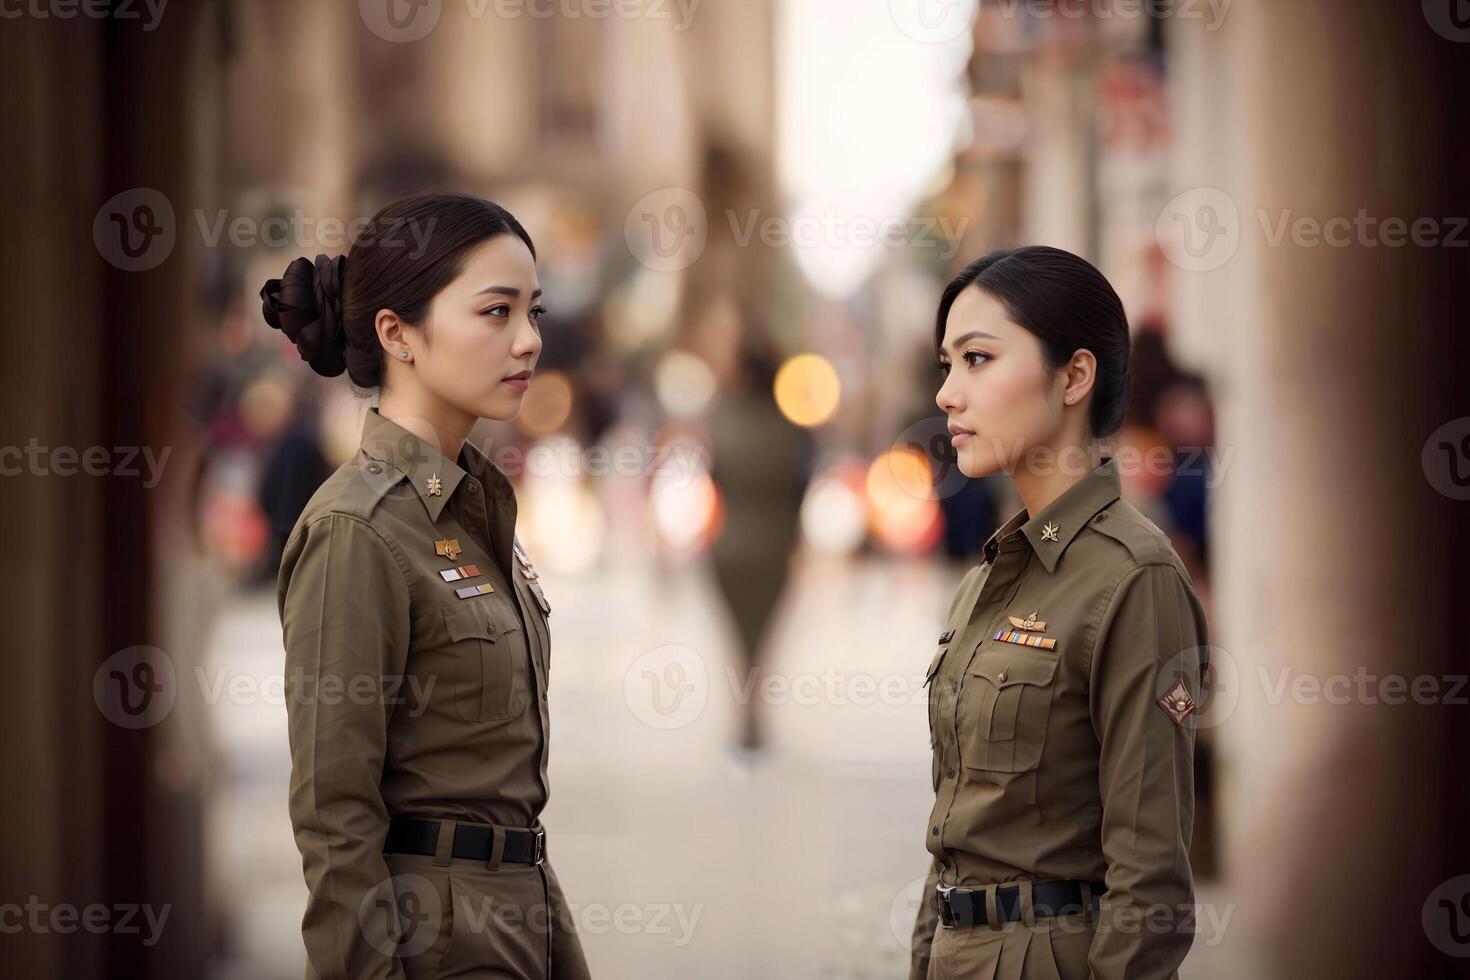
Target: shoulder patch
(365, 488)
(1146, 542)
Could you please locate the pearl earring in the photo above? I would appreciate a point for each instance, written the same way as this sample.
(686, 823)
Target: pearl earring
(405, 356)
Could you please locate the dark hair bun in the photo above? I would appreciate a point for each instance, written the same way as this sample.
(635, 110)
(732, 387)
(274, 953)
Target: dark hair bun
(306, 305)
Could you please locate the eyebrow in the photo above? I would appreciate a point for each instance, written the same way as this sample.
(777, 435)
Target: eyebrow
(972, 335)
(510, 291)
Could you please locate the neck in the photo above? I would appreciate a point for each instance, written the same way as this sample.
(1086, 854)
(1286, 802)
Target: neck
(440, 425)
(1061, 469)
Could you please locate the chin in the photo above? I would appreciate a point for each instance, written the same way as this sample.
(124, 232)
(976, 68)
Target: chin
(976, 464)
(501, 407)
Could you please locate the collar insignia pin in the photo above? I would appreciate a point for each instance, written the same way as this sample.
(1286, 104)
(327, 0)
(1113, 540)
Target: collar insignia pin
(1049, 532)
(436, 485)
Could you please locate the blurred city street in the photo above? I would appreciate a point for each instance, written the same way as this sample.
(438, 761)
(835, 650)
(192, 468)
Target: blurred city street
(682, 856)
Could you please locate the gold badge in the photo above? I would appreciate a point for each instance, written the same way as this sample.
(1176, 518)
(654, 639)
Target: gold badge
(1177, 702)
(1030, 624)
(436, 485)
(447, 548)
(1049, 532)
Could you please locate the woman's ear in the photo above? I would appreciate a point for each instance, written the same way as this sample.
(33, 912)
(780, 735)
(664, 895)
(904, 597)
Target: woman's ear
(393, 335)
(1079, 375)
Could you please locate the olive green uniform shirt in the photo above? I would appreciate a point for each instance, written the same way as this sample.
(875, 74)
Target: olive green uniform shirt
(403, 696)
(1074, 762)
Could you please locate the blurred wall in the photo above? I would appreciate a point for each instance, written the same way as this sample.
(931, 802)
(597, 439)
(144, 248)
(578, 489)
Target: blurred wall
(91, 817)
(1337, 553)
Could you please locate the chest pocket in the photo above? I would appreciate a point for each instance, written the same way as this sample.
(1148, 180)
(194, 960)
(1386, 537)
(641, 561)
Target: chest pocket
(489, 659)
(1006, 703)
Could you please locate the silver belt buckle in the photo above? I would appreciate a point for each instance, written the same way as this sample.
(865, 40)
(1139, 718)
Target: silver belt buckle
(946, 907)
(540, 847)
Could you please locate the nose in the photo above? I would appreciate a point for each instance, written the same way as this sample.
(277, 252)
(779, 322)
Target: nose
(527, 342)
(947, 398)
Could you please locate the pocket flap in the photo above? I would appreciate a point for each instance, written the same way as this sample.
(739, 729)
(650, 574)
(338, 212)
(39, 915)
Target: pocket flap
(1005, 665)
(934, 665)
(471, 620)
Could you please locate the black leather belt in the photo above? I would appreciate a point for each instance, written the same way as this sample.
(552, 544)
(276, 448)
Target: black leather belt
(959, 907)
(475, 842)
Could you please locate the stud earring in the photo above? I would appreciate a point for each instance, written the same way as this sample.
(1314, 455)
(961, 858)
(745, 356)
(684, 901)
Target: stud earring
(404, 355)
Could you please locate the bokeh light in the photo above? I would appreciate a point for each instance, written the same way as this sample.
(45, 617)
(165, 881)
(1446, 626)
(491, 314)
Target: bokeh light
(547, 405)
(901, 520)
(808, 390)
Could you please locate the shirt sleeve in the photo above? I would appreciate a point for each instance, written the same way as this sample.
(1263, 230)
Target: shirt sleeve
(1153, 634)
(345, 617)
(924, 925)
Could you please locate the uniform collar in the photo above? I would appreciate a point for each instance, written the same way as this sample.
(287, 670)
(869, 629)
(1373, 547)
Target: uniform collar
(1068, 513)
(386, 440)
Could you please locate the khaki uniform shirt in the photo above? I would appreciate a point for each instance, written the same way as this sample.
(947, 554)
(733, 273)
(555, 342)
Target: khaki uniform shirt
(1072, 759)
(404, 695)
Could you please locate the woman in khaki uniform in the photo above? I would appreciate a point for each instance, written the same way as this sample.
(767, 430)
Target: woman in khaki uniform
(417, 635)
(1063, 692)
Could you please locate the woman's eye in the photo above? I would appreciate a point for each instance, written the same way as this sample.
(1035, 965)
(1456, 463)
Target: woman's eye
(537, 312)
(500, 309)
(969, 355)
(943, 367)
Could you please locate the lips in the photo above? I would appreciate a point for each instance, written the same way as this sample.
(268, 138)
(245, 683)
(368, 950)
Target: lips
(959, 435)
(519, 381)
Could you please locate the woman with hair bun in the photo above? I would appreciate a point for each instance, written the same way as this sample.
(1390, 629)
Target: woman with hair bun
(418, 645)
(1062, 697)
